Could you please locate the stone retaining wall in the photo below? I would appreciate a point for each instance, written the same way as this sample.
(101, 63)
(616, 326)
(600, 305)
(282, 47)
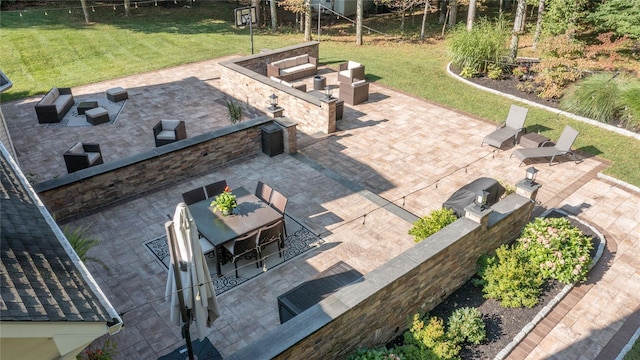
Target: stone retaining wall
(375, 310)
(97, 186)
(246, 79)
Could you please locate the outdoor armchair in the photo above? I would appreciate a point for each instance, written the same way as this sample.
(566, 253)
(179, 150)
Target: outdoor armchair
(510, 129)
(168, 131)
(81, 156)
(354, 93)
(563, 147)
(350, 71)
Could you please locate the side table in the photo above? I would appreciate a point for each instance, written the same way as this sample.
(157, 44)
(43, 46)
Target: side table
(319, 82)
(532, 140)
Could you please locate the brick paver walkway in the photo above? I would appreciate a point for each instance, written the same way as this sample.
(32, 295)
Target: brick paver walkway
(395, 148)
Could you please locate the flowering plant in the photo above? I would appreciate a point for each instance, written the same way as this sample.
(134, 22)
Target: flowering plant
(225, 202)
(105, 353)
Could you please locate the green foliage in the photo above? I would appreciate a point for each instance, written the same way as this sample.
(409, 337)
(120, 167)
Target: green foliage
(235, 111)
(509, 277)
(494, 71)
(634, 352)
(466, 325)
(225, 202)
(431, 339)
(620, 16)
(82, 241)
(432, 223)
(605, 97)
(558, 68)
(467, 72)
(557, 248)
(565, 16)
(508, 188)
(486, 43)
(374, 354)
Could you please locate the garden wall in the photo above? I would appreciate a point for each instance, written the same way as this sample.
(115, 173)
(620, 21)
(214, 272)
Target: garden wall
(375, 310)
(100, 185)
(246, 79)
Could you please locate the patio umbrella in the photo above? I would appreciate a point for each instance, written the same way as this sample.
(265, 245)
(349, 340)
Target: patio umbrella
(189, 285)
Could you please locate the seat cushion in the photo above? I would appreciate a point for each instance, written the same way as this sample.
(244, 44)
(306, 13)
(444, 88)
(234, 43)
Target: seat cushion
(166, 135)
(170, 125)
(302, 59)
(297, 68)
(358, 83)
(76, 149)
(93, 156)
(353, 64)
(55, 92)
(279, 64)
(48, 99)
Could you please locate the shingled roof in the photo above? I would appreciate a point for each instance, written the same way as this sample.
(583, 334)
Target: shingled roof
(39, 280)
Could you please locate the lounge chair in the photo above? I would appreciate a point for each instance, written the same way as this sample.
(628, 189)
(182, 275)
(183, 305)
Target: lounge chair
(510, 129)
(563, 147)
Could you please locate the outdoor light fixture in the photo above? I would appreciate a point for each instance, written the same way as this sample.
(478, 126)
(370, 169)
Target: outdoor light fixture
(273, 101)
(327, 92)
(481, 199)
(531, 175)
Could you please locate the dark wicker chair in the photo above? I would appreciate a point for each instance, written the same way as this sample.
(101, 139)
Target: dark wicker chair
(168, 131)
(354, 93)
(81, 156)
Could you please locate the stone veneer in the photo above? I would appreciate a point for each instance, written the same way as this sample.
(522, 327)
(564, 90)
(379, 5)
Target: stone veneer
(246, 79)
(100, 185)
(376, 309)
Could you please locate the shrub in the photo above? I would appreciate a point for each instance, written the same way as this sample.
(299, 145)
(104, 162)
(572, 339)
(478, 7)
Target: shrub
(373, 354)
(596, 97)
(494, 71)
(432, 223)
(82, 241)
(485, 43)
(510, 278)
(630, 98)
(557, 248)
(431, 339)
(559, 66)
(235, 111)
(467, 72)
(466, 325)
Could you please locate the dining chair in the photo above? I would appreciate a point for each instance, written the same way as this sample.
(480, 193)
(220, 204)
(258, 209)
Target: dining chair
(279, 203)
(243, 245)
(268, 235)
(216, 188)
(263, 192)
(193, 196)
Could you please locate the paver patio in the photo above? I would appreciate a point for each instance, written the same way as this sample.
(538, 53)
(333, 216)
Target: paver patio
(393, 158)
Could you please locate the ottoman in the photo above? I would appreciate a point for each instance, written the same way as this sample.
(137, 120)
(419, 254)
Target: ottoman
(97, 116)
(117, 94)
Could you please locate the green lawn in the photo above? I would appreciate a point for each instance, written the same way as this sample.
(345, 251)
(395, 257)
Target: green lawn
(39, 52)
(634, 353)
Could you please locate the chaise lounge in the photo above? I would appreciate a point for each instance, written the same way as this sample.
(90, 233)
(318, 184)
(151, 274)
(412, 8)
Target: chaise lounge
(510, 129)
(563, 147)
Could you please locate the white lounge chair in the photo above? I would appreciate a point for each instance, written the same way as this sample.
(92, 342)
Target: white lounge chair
(563, 147)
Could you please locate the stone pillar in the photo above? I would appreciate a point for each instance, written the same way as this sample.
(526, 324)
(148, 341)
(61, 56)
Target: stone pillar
(479, 214)
(528, 189)
(275, 112)
(290, 137)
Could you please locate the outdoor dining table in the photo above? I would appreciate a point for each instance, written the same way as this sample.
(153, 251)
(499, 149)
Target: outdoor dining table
(251, 214)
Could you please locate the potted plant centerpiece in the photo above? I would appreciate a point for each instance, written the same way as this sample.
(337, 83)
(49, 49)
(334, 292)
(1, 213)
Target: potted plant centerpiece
(225, 202)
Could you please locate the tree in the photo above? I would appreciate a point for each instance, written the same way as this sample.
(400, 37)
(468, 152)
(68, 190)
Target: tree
(274, 16)
(85, 11)
(427, 6)
(565, 16)
(453, 13)
(471, 14)
(536, 35)
(127, 5)
(307, 20)
(620, 16)
(520, 10)
(359, 14)
(255, 4)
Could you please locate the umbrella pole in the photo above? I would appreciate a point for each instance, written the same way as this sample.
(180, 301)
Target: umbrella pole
(186, 334)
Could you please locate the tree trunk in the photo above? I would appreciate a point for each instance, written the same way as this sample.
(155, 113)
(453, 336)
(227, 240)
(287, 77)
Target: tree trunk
(453, 4)
(516, 26)
(274, 16)
(424, 19)
(536, 36)
(471, 14)
(307, 20)
(359, 15)
(127, 5)
(256, 4)
(443, 12)
(85, 11)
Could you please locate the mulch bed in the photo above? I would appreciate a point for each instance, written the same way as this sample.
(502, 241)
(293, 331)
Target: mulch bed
(502, 324)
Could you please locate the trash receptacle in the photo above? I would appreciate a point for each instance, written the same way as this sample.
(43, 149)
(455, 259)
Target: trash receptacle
(272, 140)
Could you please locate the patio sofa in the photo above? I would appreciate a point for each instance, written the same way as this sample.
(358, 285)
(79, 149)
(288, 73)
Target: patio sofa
(293, 68)
(301, 87)
(54, 105)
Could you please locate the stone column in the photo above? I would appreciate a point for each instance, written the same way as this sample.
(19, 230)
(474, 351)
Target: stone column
(290, 137)
(479, 214)
(528, 189)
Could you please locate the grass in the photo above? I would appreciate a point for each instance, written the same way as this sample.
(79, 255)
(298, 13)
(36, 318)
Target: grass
(634, 353)
(39, 52)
